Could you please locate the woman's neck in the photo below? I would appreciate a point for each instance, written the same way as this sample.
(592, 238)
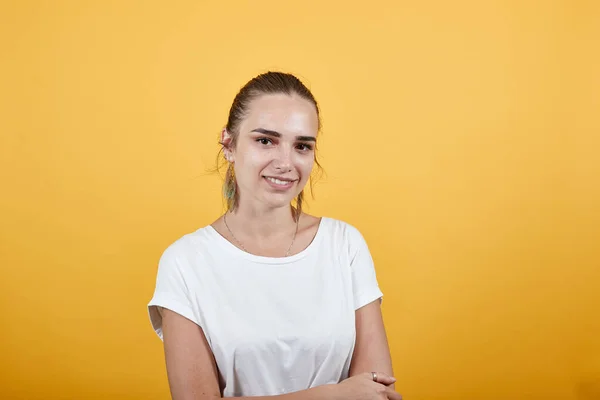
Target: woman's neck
(261, 223)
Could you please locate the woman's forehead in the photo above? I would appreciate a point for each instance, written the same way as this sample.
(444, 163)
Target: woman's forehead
(282, 113)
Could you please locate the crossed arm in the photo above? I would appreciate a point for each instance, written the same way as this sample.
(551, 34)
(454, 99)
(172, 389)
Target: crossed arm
(192, 370)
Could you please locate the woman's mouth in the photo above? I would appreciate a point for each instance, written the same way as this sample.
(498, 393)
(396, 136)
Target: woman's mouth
(279, 183)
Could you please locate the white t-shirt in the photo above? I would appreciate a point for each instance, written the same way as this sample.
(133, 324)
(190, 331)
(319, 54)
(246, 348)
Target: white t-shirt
(275, 324)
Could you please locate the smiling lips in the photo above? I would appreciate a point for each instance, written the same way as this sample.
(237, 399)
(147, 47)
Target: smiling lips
(280, 183)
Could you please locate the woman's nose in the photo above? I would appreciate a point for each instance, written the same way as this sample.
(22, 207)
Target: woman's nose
(283, 160)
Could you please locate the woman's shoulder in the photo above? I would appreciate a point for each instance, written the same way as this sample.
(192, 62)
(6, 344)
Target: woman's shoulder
(342, 229)
(339, 223)
(190, 243)
(344, 236)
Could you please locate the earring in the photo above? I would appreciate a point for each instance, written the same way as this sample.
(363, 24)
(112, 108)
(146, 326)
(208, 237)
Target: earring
(229, 187)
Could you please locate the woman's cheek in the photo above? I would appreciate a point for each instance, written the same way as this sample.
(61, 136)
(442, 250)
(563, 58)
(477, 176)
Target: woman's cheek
(307, 166)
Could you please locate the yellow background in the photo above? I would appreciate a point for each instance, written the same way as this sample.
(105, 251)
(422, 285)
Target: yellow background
(461, 137)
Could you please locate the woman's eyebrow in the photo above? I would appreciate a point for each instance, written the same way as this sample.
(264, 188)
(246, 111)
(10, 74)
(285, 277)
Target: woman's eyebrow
(277, 134)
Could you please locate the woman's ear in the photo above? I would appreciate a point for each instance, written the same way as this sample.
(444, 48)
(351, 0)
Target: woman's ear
(226, 140)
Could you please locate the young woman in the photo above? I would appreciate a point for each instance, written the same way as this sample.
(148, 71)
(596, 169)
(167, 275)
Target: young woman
(269, 300)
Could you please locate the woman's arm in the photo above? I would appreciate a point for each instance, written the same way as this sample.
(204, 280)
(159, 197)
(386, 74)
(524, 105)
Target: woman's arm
(371, 352)
(191, 367)
(192, 370)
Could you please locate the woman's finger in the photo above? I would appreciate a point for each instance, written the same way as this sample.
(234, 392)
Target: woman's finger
(392, 394)
(383, 378)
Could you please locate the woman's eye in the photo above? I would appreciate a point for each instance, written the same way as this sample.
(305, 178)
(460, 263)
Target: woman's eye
(264, 141)
(304, 147)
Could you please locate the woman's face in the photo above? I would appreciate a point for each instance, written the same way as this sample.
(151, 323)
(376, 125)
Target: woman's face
(274, 154)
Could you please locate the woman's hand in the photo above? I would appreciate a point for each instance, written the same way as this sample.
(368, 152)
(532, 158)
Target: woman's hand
(362, 387)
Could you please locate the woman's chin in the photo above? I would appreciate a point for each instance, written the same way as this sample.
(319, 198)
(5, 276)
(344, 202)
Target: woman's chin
(278, 200)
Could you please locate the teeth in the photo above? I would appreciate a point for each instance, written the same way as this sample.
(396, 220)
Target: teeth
(278, 182)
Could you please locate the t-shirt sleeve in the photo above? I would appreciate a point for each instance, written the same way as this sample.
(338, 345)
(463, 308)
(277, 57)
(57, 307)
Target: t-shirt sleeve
(364, 280)
(171, 291)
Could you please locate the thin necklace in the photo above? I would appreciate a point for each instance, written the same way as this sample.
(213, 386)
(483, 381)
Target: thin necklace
(287, 253)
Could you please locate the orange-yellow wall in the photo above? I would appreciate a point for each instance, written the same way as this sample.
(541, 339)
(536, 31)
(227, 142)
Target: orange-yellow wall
(461, 137)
